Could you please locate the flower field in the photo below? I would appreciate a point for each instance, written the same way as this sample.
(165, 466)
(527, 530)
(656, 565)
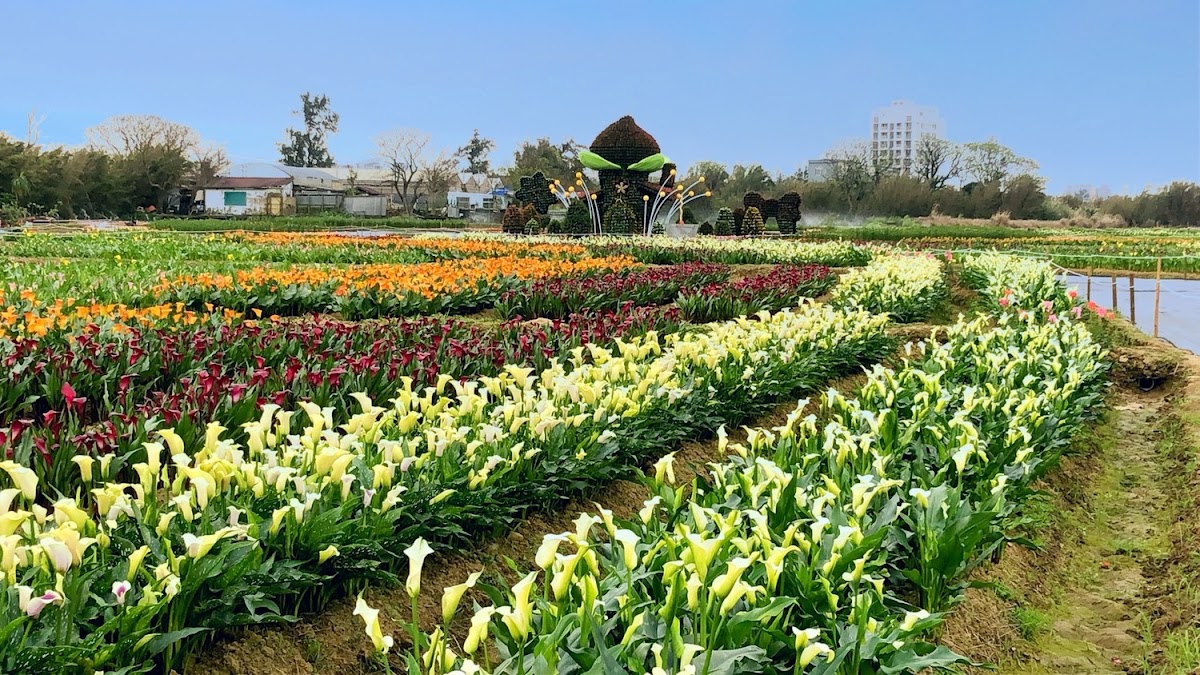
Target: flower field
(233, 430)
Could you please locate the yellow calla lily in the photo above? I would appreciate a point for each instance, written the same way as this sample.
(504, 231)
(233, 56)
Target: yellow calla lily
(370, 617)
(452, 595)
(22, 477)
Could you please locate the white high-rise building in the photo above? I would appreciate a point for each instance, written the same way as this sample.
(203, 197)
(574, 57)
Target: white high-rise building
(896, 129)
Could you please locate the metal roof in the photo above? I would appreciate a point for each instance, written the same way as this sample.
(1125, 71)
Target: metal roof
(246, 182)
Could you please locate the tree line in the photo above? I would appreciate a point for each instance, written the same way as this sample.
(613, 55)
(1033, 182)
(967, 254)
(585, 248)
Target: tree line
(129, 163)
(133, 163)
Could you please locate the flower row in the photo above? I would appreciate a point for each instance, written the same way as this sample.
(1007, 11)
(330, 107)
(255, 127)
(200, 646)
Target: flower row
(558, 297)
(100, 391)
(823, 547)
(280, 247)
(782, 287)
(178, 539)
(909, 287)
(661, 250)
(372, 291)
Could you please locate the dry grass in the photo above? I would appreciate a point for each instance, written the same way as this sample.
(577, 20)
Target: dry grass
(1078, 219)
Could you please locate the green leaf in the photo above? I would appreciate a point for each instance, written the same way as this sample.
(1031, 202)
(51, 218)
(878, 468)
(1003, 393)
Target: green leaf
(652, 163)
(593, 161)
(910, 659)
(160, 642)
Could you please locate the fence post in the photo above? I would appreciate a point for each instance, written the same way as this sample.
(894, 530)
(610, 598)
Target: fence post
(1132, 310)
(1113, 279)
(1157, 293)
(1089, 284)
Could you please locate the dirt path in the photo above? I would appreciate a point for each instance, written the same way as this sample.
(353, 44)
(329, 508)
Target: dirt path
(1098, 625)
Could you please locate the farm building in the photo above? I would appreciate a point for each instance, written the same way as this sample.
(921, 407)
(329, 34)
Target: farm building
(478, 192)
(247, 195)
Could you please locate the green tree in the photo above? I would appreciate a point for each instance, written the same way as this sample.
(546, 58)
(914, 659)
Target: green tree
(557, 161)
(21, 188)
(155, 155)
(1023, 197)
(475, 153)
(310, 146)
(989, 161)
(715, 175)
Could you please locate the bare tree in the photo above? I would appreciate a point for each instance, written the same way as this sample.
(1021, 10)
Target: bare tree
(439, 173)
(127, 135)
(33, 128)
(404, 152)
(208, 162)
(855, 168)
(937, 161)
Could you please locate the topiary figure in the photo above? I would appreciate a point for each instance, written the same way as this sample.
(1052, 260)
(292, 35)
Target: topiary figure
(620, 219)
(578, 219)
(533, 226)
(535, 190)
(752, 225)
(623, 155)
(513, 221)
(739, 216)
(788, 213)
(706, 229)
(555, 226)
(769, 209)
(725, 225)
(529, 212)
(658, 230)
(689, 216)
(754, 199)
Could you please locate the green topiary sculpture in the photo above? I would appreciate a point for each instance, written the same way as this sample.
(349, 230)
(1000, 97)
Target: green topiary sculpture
(752, 225)
(620, 219)
(535, 190)
(578, 219)
(789, 212)
(724, 222)
(513, 221)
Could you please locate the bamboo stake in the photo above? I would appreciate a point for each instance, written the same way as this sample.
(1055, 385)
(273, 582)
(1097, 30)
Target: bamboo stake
(1113, 279)
(1132, 309)
(1157, 293)
(1089, 285)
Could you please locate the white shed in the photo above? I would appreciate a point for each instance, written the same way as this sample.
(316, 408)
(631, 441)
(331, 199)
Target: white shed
(245, 196)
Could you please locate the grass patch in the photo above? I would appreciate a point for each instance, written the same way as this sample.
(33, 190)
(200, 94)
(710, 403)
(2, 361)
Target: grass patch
(1031, 623)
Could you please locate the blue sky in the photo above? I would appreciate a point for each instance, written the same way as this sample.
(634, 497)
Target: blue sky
(1097, 92)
